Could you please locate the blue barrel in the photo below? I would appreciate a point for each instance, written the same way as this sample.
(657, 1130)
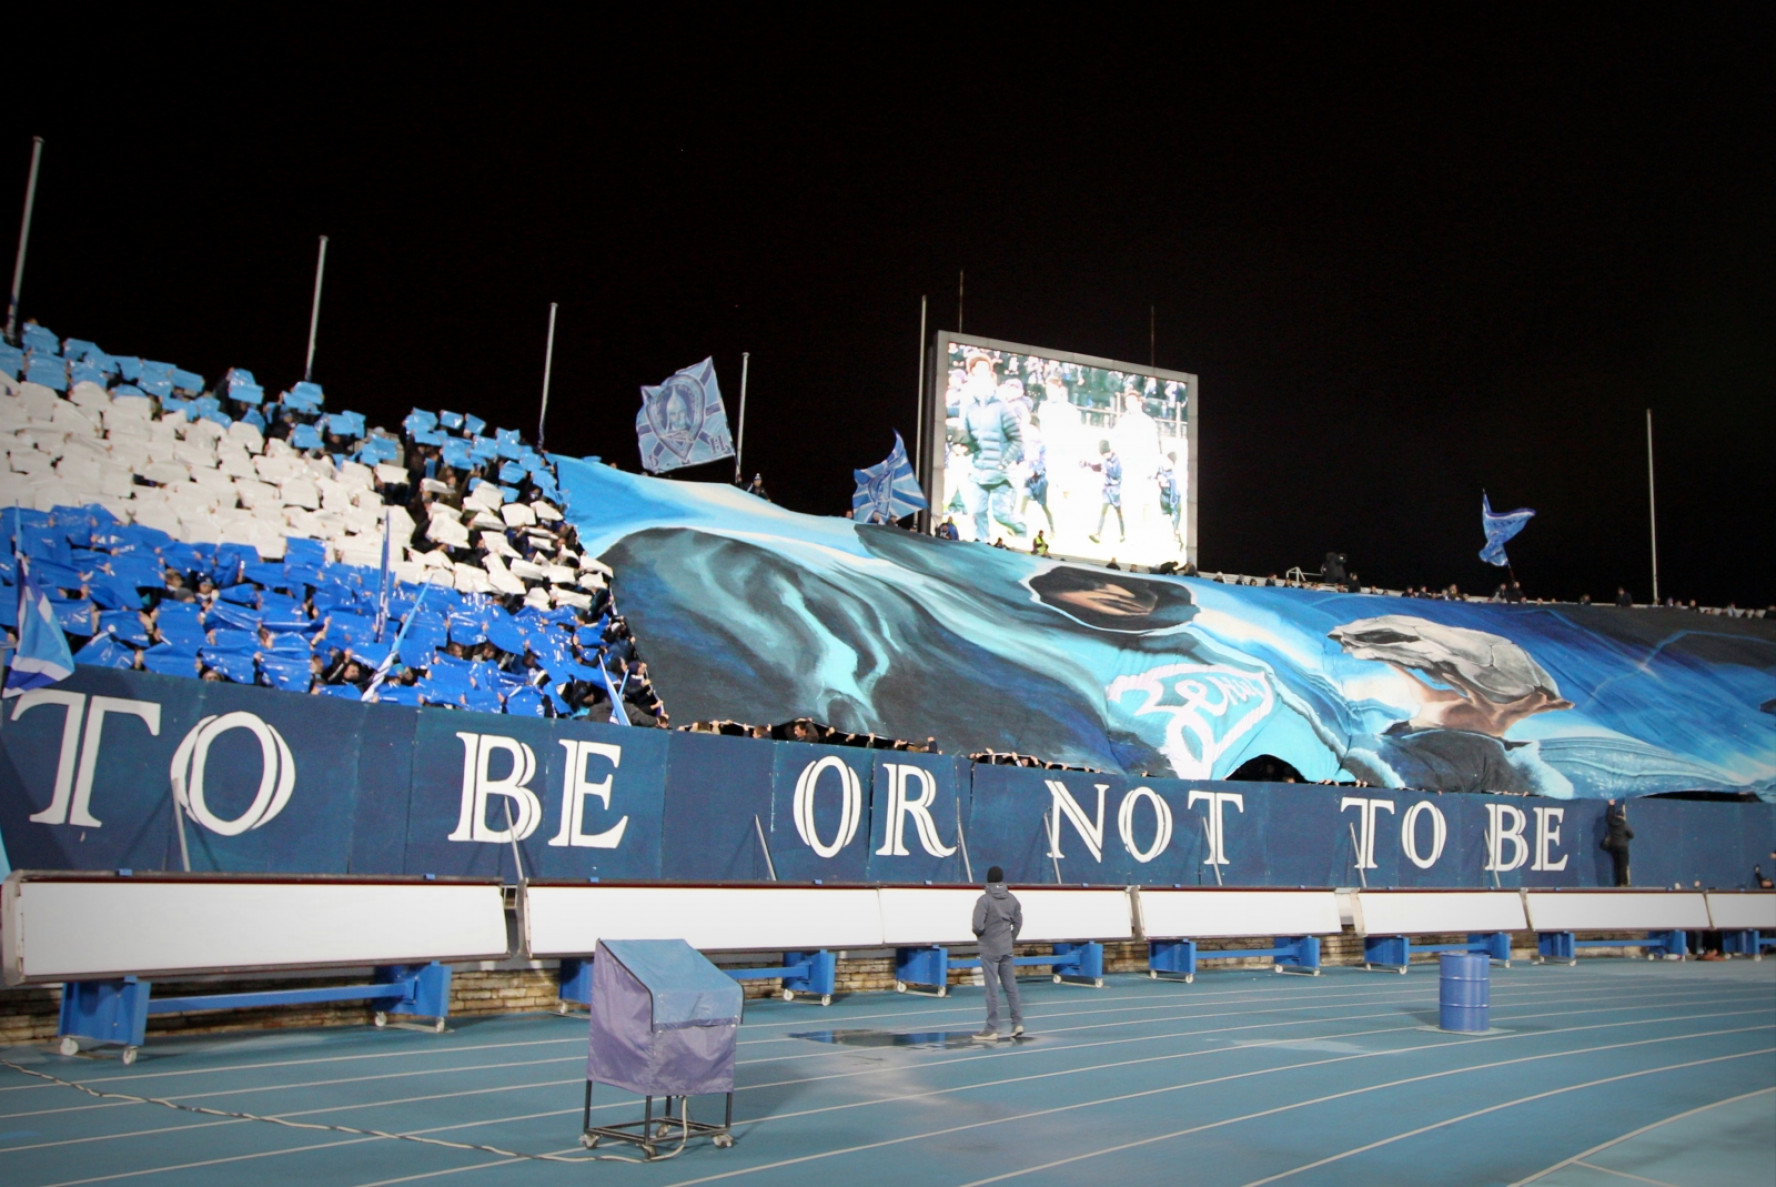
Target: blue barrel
(1464, 992)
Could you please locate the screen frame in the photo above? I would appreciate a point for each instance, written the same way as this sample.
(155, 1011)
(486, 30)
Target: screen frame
(931, 446)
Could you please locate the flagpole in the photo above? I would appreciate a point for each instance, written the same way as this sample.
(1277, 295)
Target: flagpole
(18, 263)
(961, 291)
(1652, 507)
(314, 316)
(740, 441)
(919, 425)
(548, 368)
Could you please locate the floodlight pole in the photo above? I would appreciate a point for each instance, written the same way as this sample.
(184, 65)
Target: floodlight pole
(314, 316)
(961, 291)
(18, 263)
(1652, 507)
(548, 369)
(919, 424)
(1152, 328)
(740, 439)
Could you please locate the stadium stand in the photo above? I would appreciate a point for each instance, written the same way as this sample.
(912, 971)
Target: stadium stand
(223, 535)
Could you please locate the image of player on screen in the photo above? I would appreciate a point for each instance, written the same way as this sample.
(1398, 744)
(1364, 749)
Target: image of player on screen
(988, 430)
(1035, 471)
(1109, 468)
(1171, 494)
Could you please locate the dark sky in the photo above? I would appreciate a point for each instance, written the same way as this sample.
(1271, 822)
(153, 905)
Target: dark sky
(1410, 255)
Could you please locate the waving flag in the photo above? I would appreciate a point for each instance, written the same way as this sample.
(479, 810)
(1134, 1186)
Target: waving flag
(889, 490)
(682, 422)
(42, 657)
(1499, 528)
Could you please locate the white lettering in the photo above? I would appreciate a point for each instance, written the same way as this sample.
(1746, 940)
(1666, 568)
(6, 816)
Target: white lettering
(1216, 827)
(1409, 833)
(850, 805)
(479, 784)
(1162, 819)
(149, 712)
(1548, 836)
(1091, 830)
(74, 708)
(1366, 809)
(574, 790)
(277, 770)
(901, 806)
(1498, 832)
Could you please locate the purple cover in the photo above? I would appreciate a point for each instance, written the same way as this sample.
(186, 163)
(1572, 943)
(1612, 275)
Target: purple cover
(664, 1020)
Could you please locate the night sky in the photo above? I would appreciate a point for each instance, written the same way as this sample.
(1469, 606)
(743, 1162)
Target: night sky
(1411, 256)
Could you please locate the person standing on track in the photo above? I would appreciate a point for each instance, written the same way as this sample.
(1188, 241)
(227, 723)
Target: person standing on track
(998, 917)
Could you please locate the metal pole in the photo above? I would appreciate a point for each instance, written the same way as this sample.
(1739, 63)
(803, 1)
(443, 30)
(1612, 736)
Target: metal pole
(1358, 850)
(179, 818)
(1652, 507)
(314, 316)
(1210, 838)
(770, 865)
(961, 290)
(1152, 324)
(919, 425)
(740, 440)
(962, 838)
(548, 368)
(18, 263)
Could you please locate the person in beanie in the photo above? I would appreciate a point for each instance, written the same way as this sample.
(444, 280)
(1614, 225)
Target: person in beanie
(1616, 835)
(997, 920)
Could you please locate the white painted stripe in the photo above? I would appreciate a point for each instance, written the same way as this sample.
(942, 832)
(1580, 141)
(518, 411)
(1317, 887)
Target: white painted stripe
(1602, 1146)
(1522, 1100)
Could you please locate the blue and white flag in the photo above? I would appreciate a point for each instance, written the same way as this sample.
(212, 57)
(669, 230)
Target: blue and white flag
(1499, 528)
(682, 422)
(42, 657)
(889, 490)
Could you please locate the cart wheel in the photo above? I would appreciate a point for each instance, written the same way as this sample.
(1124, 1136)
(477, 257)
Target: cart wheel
(438, 1026)
(1057, 978)
(900, 987)
(1098, 983)
(826, 999)
(943, 991)
(129, 1055)
(662, 1130)
(588, 1142)
(561, 1008)
(70, 1045)
(1402, 970)
(1276, 968)
(1152, 974)
(789, 995)
(1190, 979)
(647, 1150)
(723, 1140)
(380, 1019)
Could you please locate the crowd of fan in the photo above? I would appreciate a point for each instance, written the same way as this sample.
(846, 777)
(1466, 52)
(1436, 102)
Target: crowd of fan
(225, 537)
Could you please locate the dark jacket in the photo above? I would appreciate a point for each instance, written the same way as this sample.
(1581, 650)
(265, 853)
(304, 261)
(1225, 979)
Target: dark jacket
(998, 918)
(1616, 833)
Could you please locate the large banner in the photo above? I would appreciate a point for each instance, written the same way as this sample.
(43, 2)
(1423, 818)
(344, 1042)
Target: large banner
(277, 783)
(764, 616)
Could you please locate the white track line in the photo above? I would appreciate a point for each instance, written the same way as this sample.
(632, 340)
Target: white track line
(1597, 1149)
(1522, 1100)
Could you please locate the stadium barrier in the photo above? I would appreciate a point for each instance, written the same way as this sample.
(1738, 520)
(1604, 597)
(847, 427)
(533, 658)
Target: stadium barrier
(1746, 921)
(1388, 919)
(104, 936)
(1174, 920)
(1665, 915)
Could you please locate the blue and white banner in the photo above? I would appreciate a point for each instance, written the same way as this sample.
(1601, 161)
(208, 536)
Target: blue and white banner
(42, 657)
(682, 421)
(280, 783)
(1500, 527)
(888, 490)
(757, 614)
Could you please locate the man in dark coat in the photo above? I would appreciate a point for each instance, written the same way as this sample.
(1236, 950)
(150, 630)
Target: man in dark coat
(1616, 835)
(998, 917)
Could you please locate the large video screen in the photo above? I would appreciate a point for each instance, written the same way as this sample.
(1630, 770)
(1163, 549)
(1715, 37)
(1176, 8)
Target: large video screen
(1097, 456)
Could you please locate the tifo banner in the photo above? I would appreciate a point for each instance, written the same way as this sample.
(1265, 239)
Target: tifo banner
(761, 615)
(91, 769)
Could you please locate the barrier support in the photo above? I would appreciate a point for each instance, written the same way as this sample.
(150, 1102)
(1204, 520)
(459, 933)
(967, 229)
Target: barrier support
(1561, 947)
(113, 1012)
(926, 970)
(807, 974)
(1746, 943)
(1176, 959)
(1394, 953)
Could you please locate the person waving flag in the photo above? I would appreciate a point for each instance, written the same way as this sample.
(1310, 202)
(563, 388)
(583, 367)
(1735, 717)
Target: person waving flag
(888, 490)
(42, 657)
